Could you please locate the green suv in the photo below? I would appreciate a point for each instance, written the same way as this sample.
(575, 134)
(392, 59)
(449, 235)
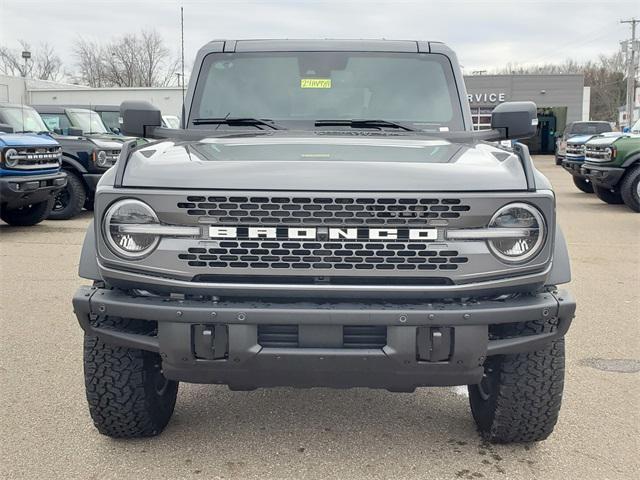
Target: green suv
(612, 165)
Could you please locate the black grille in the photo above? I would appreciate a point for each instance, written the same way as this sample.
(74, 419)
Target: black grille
(364, 336)
(366, 255)
(354, 336)
(230, 210)
(278, 336)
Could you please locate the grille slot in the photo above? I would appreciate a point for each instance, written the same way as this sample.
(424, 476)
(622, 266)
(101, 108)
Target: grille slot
(278, 336)
(353, 336)
(251, 210)
(323, 256)
(364, 336)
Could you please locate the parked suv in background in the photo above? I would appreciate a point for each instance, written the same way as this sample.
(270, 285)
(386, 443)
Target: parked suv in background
(110, 115)
(578, 128)
(612, 165)
(30, 175)
(89, 149)
(574, 158)
(327, 218)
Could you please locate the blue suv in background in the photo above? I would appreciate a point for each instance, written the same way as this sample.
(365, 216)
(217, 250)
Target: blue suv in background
(30, 176)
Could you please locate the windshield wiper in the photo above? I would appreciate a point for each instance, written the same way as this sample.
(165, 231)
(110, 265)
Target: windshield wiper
(363, 123)
(237, 121)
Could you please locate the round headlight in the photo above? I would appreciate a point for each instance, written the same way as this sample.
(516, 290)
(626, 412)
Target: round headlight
(583, 149)
(518, 248)
(126, 244)
(10, 159)
(101, 158)
(608, 153)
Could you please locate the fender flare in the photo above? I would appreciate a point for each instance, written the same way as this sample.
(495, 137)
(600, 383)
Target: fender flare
(75, 164)
(635, 158)
(88, 267)
(561, 266)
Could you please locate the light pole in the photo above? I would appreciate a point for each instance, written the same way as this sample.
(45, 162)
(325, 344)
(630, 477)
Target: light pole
(26, 56)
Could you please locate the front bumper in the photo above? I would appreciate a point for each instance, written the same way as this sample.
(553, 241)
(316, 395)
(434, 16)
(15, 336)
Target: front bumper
(601, 176)
(438, 343)
(574, 167)
(18, 191)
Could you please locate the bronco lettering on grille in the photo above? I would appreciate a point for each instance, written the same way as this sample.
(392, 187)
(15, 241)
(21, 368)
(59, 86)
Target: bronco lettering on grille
(323, 233)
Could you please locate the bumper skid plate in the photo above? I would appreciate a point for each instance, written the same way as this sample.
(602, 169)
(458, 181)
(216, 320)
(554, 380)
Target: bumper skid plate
(262, 344)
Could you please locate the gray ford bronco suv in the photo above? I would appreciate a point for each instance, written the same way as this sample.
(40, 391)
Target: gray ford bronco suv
(325, 217)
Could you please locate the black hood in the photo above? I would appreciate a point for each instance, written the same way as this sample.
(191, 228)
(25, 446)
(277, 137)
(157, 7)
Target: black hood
(316, 162)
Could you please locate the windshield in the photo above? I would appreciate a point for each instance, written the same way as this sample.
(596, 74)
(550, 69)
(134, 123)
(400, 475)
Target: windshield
(416, 89)
(87, 120)
(589, 128)
(23, 119)
(111, 120)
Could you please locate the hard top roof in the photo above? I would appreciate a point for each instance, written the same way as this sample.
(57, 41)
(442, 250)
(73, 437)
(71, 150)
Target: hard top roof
(288, 45)
(56, 108)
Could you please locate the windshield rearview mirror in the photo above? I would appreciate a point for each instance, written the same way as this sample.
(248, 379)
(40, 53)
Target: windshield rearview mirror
(139, 118)
(515, 120)
(6, 128)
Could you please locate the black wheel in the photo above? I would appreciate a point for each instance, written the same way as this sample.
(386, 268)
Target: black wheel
(630, 189)
(558, 160)
(27, 215)
(519, 397)
(128, 395)
(607, 196)
(583, 184)
(70, 200)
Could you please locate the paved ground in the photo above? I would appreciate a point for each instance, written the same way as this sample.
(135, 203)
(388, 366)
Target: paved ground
(46, 432)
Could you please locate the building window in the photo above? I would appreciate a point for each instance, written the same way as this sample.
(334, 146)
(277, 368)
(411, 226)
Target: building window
(481, 118)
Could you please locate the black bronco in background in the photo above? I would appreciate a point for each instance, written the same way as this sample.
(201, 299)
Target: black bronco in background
(327, 218)
(88, 150)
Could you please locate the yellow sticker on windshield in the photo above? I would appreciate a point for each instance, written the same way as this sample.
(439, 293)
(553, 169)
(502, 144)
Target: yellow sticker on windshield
(315, 83)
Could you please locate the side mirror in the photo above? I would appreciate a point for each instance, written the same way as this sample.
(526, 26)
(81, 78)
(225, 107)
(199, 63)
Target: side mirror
(139, 118)
(74, 132)
(515, 120)
(6, 128)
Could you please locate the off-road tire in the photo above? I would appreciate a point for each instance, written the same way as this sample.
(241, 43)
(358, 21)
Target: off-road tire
(558, 160)
(127, 394)
(583, 184)
(607, 196)
(27, 215)
(519, 398)
(629, 189)
(70, 200)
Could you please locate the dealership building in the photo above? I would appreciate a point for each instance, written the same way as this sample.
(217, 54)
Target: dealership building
(560, 98)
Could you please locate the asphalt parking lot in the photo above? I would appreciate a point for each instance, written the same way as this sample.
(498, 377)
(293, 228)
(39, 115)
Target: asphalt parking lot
(46, 432)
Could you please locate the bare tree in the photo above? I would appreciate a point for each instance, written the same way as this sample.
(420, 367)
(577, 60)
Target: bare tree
(45, 64)
(605, 76)
(133, 60)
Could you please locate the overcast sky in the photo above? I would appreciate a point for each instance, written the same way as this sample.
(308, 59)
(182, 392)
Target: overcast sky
(485, 34)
